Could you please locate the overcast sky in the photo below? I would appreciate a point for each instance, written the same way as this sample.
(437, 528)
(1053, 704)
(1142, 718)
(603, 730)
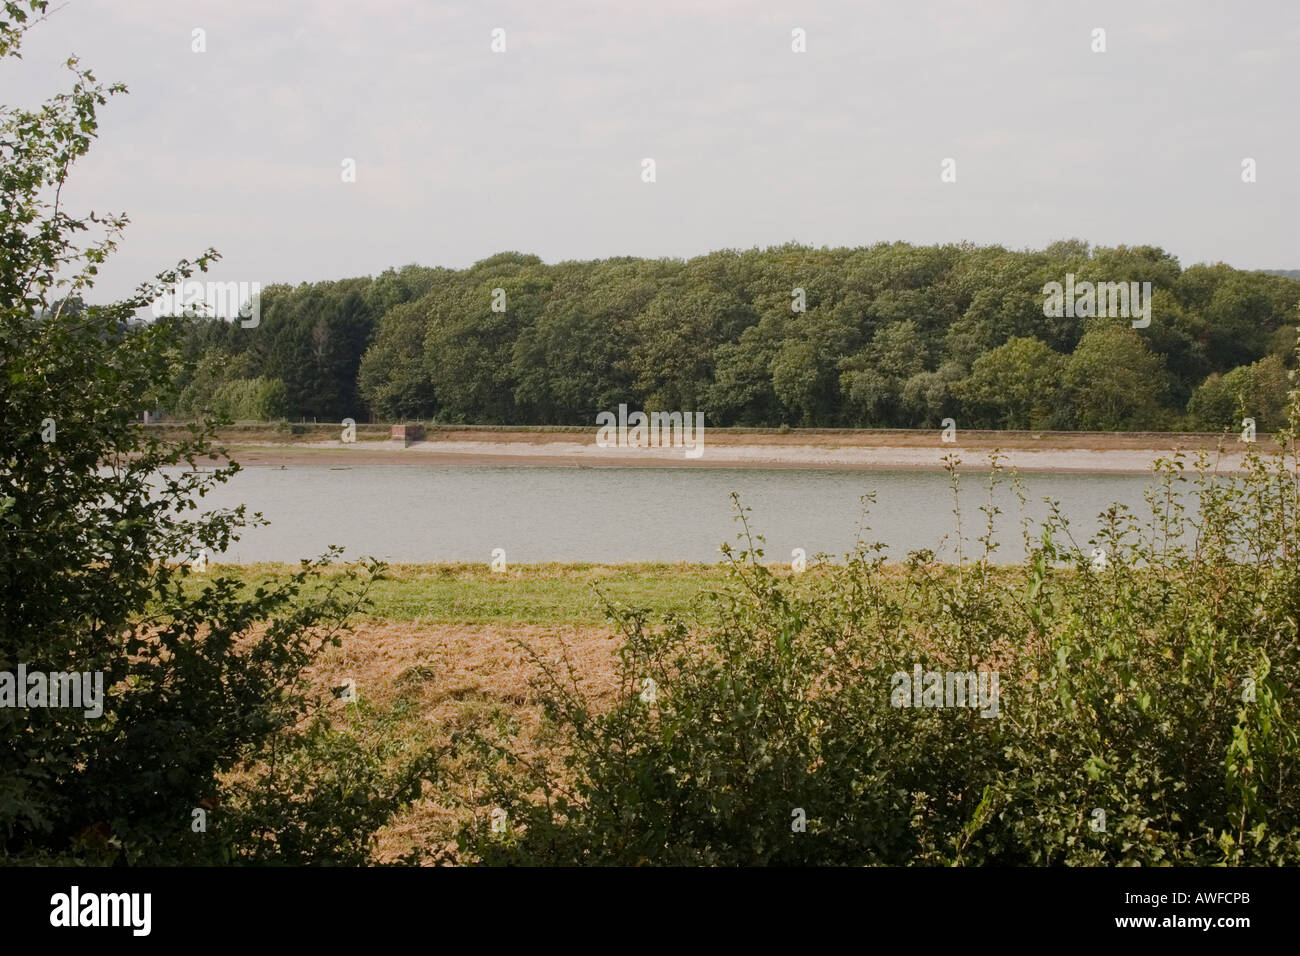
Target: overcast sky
(462, 152)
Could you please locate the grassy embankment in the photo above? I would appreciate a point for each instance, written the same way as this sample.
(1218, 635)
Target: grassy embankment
(533, 594)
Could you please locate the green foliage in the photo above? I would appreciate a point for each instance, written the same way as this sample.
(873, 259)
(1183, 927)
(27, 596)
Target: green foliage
(391, 376)
(1114, 381)
(207, 699)
(256, 398)
(219, 387)
(1016, 385)
(1256, 391)
(547, 594)
(1145, 714)
(312, 338)
(890, 336)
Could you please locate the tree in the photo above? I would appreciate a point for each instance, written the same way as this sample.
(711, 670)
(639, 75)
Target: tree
(802, 386)
(929, 397)
(199, 678)
(1213, 405)
(1257, 391)
(1242, 316)
(874, 379)
(846, 336)
(675, 336)
(568, 362)
(392, 376)
(1114, 382)
(742, 392)
(250, 399)
(469, 345)
(1017, 385)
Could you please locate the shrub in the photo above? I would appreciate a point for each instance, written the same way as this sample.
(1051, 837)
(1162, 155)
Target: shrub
(249, 399)
(1146, 712)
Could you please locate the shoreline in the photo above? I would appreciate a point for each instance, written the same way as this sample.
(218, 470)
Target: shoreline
(1073, 453)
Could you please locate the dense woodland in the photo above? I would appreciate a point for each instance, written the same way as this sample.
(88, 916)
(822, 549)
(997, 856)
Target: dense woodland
(893, 335)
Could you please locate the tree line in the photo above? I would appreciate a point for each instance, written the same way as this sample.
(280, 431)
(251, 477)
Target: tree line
(892, 335)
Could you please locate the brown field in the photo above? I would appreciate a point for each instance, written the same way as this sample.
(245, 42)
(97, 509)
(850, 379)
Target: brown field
(456, 675)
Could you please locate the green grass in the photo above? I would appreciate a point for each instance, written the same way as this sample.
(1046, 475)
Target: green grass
(525, 594)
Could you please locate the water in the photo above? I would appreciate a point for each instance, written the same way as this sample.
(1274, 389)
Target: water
(458, 513)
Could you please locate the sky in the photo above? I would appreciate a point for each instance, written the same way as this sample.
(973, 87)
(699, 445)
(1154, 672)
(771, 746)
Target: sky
(462, 152)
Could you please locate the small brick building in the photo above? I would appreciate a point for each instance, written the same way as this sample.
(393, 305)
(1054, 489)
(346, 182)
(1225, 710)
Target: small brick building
(407, 433)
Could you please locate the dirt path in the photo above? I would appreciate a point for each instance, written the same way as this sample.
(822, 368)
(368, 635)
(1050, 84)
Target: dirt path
(890, 451)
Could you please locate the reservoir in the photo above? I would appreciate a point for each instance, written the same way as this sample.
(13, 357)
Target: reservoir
(606, 515)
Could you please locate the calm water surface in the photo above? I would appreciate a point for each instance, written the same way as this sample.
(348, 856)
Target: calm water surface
(458, 513)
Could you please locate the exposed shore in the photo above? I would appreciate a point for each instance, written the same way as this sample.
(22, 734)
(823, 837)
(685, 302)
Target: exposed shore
(1071, 452)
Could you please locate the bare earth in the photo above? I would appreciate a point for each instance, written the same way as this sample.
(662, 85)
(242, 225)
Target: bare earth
(454, 677)
(1132, 453)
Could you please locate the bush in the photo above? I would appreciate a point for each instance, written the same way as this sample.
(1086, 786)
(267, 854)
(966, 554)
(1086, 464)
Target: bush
(249, 399)
(1146, 712)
